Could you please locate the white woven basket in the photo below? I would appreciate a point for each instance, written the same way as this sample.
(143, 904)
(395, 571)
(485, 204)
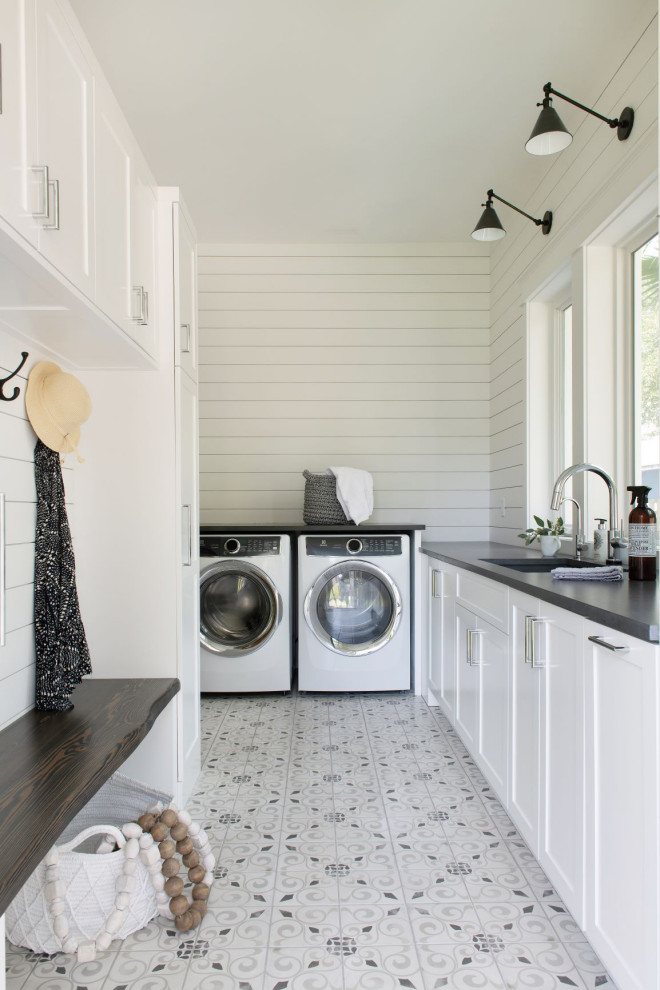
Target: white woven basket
(88, 884)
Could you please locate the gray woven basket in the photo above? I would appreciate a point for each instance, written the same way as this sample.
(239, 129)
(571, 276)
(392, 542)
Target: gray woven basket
(322, 507)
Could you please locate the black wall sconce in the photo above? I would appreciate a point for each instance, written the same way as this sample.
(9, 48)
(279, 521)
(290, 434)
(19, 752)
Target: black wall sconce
(550, 135)
(489, 227)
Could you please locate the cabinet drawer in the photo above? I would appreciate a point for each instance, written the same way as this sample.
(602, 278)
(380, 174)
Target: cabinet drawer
(487, 598)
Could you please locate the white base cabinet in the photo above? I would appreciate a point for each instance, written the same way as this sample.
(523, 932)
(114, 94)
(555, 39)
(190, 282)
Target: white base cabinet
(577, 764)
(622, 805)
(442, 638)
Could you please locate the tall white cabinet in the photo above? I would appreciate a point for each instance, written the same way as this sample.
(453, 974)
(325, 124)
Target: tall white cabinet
(179, 257)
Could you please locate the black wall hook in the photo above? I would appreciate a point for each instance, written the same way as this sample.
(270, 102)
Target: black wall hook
(3, 381)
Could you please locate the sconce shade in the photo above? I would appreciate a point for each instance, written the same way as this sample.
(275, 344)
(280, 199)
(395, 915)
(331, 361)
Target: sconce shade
(489, 227)
(549, 135)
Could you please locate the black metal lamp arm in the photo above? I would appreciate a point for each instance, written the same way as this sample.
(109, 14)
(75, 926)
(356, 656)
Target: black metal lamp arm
(549, 91)
(491, 196)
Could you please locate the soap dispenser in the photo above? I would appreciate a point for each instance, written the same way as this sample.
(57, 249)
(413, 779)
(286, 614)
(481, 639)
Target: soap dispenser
(642, 534)
(600, 541)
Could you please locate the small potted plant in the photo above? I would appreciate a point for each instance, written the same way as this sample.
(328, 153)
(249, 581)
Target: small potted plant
(547, 533)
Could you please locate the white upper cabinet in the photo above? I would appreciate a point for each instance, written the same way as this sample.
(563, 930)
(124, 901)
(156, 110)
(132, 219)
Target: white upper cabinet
(113, 153)
(144, 234)
(15, 184)
(185, 300)
(62, 156)
(73, 185)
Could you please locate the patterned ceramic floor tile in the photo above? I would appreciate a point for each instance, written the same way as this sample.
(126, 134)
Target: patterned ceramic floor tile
(511, 921)
(386, 967)
(459, 967)
(144, 971)
(546, 967)
(298, 926)
(303, 969)
(223, 969)
(442, 924)
(358, 847)
(589, 965)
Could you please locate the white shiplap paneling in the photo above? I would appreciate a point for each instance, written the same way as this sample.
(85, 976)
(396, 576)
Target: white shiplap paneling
(17, 442)
(582, 186)
(373, 356)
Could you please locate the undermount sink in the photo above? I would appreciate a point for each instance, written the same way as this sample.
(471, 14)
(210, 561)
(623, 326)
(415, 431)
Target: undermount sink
(540, 565)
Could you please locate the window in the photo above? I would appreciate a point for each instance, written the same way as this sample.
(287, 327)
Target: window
(646, 348)
(564, 396)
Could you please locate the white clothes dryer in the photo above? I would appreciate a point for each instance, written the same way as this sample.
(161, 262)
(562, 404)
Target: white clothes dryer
(245, 612)
(354, 612)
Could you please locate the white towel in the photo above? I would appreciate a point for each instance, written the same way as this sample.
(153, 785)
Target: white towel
(612, 573)
(355, 492)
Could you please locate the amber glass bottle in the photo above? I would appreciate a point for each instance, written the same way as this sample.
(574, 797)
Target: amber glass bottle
(642, 536)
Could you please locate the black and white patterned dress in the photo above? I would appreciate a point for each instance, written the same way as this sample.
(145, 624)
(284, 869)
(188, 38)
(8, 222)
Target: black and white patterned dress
(61, 644)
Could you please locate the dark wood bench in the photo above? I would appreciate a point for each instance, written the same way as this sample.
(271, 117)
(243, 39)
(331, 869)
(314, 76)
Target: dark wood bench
(51, 763)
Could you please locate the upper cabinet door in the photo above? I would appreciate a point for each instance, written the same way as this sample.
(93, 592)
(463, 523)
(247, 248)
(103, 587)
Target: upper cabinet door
(15, 179)
(144, 219)
(62, 168)
(185, 290)
(113, 151)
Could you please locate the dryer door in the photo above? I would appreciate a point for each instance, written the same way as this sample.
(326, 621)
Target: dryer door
(239, 608)
(353, 608)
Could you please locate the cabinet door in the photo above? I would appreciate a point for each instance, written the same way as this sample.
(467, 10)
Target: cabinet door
(185, 297)
(189, 736)
(525, 709)
(15, 179)
(467, 678)
(143, 258)
(64, 146)
(622, 805)
(562, 751)
(113, 149)
(442, 651)
(492, 656)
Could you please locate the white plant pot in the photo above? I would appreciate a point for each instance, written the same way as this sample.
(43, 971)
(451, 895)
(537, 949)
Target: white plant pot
(549, 545)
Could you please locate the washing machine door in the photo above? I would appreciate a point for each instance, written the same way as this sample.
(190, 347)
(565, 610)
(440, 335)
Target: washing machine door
(353, 608)
(240, 608)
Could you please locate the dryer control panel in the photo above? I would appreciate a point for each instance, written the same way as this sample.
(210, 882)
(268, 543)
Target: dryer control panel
(351, 546)
(239, 546)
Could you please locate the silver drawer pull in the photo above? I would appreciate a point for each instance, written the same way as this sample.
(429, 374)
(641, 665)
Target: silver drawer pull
(608, 646)
(54, 184)
(531, 656)
(186, 339)
(436, 584)
(44, 213)
(472, 636)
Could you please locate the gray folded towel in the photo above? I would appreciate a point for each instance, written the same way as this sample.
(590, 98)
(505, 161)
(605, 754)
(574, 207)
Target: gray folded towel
(612, 573)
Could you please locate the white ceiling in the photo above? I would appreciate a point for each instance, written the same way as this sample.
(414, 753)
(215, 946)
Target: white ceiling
(351, 120)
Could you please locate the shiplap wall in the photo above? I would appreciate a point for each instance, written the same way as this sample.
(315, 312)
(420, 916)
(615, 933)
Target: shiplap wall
(371, 356)
(17, 440)
(584, 185)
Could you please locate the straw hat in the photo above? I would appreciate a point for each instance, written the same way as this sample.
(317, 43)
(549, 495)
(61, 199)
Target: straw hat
(57, 404)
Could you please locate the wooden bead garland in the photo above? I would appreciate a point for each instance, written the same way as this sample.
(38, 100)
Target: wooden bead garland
(192, 844)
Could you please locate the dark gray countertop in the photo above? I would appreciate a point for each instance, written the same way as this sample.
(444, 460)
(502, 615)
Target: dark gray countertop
(631, 607)
(302, 528)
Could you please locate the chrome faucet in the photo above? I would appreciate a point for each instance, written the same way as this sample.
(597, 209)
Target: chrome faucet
(558, 491)
(580, 539)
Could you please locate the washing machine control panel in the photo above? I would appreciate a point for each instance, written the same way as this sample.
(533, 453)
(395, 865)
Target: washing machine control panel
(239, 546)
(362, 546)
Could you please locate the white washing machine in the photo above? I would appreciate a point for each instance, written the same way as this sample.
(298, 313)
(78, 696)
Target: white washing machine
(245, 612)
(354, 612)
